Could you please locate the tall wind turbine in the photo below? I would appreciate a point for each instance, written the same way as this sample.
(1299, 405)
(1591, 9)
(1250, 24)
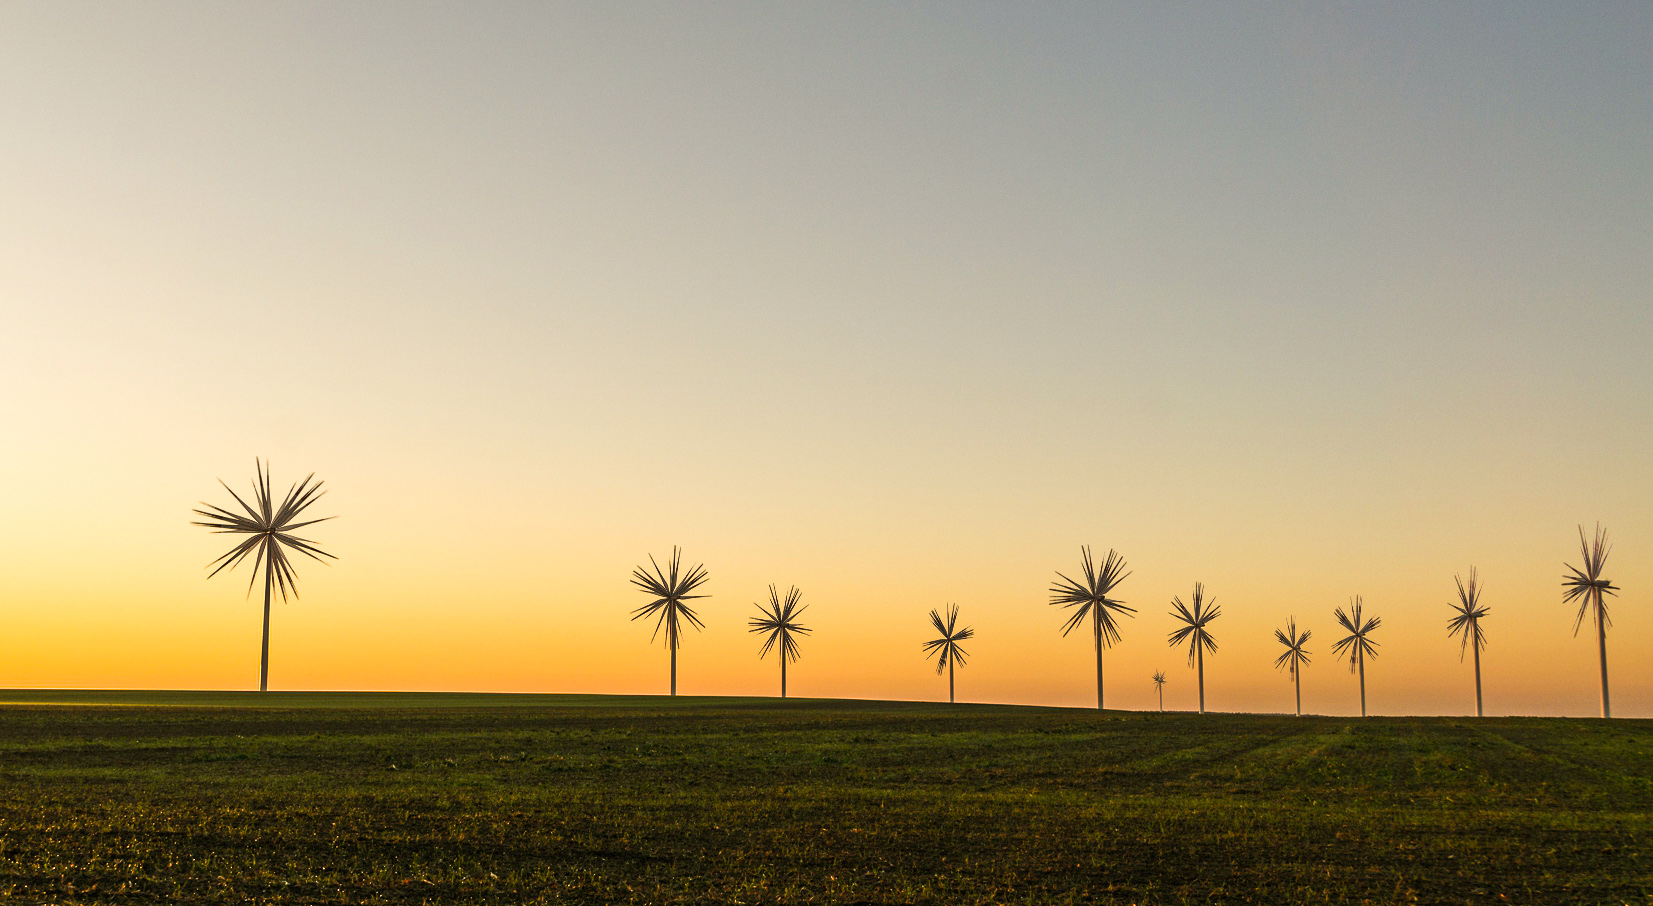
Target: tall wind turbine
(1466, 621)
(1589, 589)
(1090, 598)
(668, 590)
(268, 529)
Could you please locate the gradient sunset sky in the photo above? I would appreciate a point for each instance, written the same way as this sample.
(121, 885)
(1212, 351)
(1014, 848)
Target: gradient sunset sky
(897, 303)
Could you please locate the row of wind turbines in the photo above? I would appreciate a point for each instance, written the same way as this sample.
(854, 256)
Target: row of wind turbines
(266, 528)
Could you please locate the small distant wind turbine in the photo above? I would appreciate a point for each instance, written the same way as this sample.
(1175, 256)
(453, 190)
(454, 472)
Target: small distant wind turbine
(1159, 686)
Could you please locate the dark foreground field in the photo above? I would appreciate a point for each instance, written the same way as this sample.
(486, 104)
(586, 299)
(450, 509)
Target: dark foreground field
(454, 799)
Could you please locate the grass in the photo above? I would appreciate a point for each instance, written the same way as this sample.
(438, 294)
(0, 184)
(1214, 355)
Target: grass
(389, 798)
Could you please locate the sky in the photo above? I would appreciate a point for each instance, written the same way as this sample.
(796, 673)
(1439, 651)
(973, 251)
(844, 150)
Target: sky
(897, 303)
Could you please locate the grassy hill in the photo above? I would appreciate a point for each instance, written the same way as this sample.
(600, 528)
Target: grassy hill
(402, 798)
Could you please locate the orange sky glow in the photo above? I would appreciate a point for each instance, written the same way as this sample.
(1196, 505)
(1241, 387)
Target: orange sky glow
(898, 305)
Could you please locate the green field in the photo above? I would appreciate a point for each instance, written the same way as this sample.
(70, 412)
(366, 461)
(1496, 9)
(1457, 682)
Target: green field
(388, 798)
